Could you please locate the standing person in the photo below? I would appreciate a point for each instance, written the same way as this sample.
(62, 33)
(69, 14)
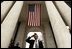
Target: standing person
(34, 43)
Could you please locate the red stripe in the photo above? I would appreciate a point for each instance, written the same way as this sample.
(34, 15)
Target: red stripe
(28, 18)
(36, 14)
(33, 17)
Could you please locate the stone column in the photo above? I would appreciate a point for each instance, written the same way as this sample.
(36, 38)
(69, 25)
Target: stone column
(65, 11)
(5, 7)
(20, 35)
(8, 25)
(61, 33)
(50, 43)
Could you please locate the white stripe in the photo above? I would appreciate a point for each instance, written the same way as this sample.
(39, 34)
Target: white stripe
(33, 17)
(28, 18)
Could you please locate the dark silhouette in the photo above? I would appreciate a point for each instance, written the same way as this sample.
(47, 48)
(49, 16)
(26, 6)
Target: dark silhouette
(12, 45)
(17, 45)
(31, 42)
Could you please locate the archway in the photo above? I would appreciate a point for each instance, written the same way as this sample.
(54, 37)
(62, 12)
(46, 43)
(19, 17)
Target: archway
(40, 37)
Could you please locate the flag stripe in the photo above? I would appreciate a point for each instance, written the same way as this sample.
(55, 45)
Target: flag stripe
(28, 18)
(31, 19)
(39, 15)
(34, 16)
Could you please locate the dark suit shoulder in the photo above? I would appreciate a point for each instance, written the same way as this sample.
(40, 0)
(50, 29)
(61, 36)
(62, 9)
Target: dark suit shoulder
(28, 40)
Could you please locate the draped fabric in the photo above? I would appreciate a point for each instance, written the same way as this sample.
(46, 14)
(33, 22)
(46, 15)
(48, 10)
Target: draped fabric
(34, 15)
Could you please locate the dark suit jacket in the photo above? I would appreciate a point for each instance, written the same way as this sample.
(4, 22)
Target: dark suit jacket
(31, 42)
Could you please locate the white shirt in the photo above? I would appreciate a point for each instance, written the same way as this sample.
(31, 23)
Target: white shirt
(36, 42)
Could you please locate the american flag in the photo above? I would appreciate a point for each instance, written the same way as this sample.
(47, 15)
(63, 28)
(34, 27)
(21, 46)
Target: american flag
(34, 16)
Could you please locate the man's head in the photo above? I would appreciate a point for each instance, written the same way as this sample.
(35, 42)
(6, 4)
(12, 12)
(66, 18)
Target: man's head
(35, 36)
